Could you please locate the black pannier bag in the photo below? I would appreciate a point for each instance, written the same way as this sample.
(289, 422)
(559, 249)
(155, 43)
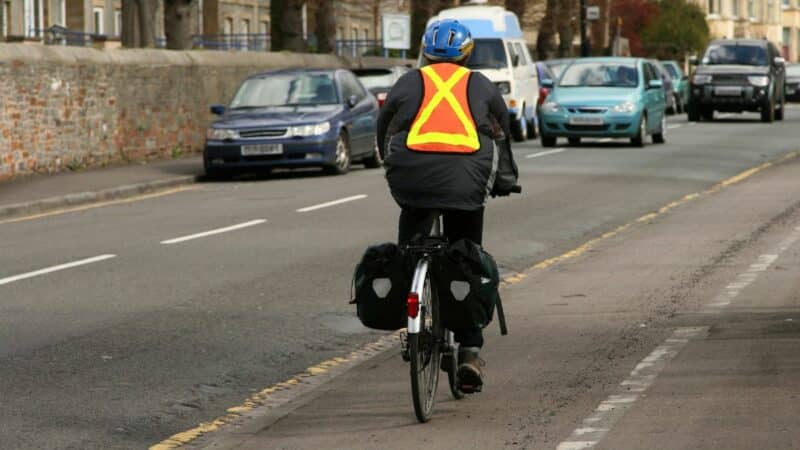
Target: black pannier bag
(467, 282)
(380, 287)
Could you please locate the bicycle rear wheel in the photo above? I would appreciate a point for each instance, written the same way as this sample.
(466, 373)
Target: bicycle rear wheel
(424, 348)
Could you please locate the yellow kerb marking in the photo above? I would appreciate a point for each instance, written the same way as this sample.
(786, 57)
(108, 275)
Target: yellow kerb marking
(663, 210)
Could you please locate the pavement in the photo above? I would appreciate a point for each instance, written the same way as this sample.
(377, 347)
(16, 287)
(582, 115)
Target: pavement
(42, 193)
(129, 323)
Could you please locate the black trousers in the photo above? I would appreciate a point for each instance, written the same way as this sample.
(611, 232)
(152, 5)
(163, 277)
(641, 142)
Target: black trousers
(458, 224)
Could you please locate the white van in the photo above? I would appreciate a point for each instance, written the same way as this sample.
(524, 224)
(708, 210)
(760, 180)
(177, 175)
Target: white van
(501, 54)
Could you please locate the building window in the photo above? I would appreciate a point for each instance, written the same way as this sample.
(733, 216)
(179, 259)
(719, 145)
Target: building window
(736, 8)
(117, 22)
(227, 27)
(770, 10)
(304, 15)
(263, 28)
(97, 15)
(6, 17)
(712, 7)
(751, 9)
(354, 33)
(33, 12)
(245, 26)
(787, 3)
(366, 34)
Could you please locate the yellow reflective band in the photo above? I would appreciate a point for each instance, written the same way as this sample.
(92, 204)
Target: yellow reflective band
(444, 92)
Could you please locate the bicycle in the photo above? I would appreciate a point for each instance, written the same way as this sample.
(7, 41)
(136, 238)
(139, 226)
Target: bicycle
(426, 341)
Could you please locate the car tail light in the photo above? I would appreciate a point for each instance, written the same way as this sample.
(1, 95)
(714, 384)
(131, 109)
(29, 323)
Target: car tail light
(413, 305)
(381, 98)
(543, 93)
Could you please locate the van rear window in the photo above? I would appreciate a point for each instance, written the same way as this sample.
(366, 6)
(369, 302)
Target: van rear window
(488, 54)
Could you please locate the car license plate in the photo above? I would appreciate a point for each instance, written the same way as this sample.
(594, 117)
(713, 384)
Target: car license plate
(728, 91)
(584, 120)
(262, 149)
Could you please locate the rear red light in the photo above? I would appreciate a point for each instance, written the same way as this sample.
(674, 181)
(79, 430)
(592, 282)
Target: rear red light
(413, 305)
(381, 98)
(543, 93)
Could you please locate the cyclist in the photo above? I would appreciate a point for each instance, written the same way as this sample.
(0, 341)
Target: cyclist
(437, 130)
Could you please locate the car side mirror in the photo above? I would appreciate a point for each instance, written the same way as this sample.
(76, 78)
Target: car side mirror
(779, 61)
(217, 110)
(352, 101)
(655, 84)
(547, 83)
(693, 61)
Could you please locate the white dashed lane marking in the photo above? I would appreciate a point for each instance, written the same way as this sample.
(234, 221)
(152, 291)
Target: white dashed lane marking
(332, 203)
(57, 268)
(215, 231)
(549, 152)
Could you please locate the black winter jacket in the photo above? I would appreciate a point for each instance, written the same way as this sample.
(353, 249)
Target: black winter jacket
(446, 180)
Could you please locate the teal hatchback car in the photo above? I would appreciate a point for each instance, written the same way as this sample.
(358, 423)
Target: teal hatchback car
(605, 97)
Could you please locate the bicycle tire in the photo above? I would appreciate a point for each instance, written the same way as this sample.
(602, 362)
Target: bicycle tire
(424, 351)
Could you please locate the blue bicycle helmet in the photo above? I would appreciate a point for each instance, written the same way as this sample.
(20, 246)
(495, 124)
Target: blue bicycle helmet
(447, 40)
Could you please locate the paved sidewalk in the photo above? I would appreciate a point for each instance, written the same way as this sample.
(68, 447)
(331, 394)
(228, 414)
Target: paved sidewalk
(43, 192)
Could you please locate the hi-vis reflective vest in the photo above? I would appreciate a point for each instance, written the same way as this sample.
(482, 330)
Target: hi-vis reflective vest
(444, 123)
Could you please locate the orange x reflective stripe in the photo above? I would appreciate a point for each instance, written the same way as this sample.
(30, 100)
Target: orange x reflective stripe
(444, 123)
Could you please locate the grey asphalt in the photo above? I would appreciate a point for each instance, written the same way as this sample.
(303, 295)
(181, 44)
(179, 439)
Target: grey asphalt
(125, 352)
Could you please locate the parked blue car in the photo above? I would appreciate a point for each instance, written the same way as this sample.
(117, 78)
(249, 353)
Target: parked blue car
(294, 118)
(605, 97)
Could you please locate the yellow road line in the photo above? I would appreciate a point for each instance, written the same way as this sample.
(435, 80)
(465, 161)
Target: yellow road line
(258, 399)
(663, 210)
(98, 205)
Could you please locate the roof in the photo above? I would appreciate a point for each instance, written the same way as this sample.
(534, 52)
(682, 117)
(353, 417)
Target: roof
(759, 42)
(484, 21)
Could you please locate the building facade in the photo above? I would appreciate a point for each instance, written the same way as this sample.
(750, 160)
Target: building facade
(776, 20)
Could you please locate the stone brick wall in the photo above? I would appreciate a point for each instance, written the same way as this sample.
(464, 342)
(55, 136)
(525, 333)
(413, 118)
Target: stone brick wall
(67, 108)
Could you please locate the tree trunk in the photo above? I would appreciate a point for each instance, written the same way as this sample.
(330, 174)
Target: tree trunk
(178, 23)
(420, 13)
(147, 23)
(546, 40)
(287, 25)
(326, 26)
(130, 24)
(568, 20)
(517, 7)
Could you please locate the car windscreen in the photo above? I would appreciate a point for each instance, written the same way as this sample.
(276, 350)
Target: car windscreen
(673, 71)
(291, 89)
(793, 70)
(747, 55)
(488, 54)
(557, 66)
(600, 74)
(374, 78)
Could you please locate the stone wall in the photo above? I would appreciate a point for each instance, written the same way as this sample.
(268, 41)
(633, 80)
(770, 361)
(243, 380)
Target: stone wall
(67, 108)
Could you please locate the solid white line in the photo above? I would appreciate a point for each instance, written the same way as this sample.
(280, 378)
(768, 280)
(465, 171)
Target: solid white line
(549, 152)
(213, 232)
(55, 268)
(672, 127)
(332, 203)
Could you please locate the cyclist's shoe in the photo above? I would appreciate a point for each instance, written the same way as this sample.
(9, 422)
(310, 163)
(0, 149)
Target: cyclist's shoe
(470, 375)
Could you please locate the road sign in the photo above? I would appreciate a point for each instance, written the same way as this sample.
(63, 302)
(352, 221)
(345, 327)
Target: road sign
(396, 31)
(592, 13)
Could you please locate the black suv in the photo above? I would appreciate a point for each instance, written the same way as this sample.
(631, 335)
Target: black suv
(738, 75)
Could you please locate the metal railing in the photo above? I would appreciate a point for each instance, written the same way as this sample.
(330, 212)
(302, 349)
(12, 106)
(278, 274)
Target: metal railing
(359, 47)
(58, 35)
(238, 41)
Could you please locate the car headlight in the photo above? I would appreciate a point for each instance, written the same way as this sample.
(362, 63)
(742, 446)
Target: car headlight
(504, 87)
(759, 80)
(551, 107)
(627, 107)
(702, 79)
(221, 134)
(315, 129)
